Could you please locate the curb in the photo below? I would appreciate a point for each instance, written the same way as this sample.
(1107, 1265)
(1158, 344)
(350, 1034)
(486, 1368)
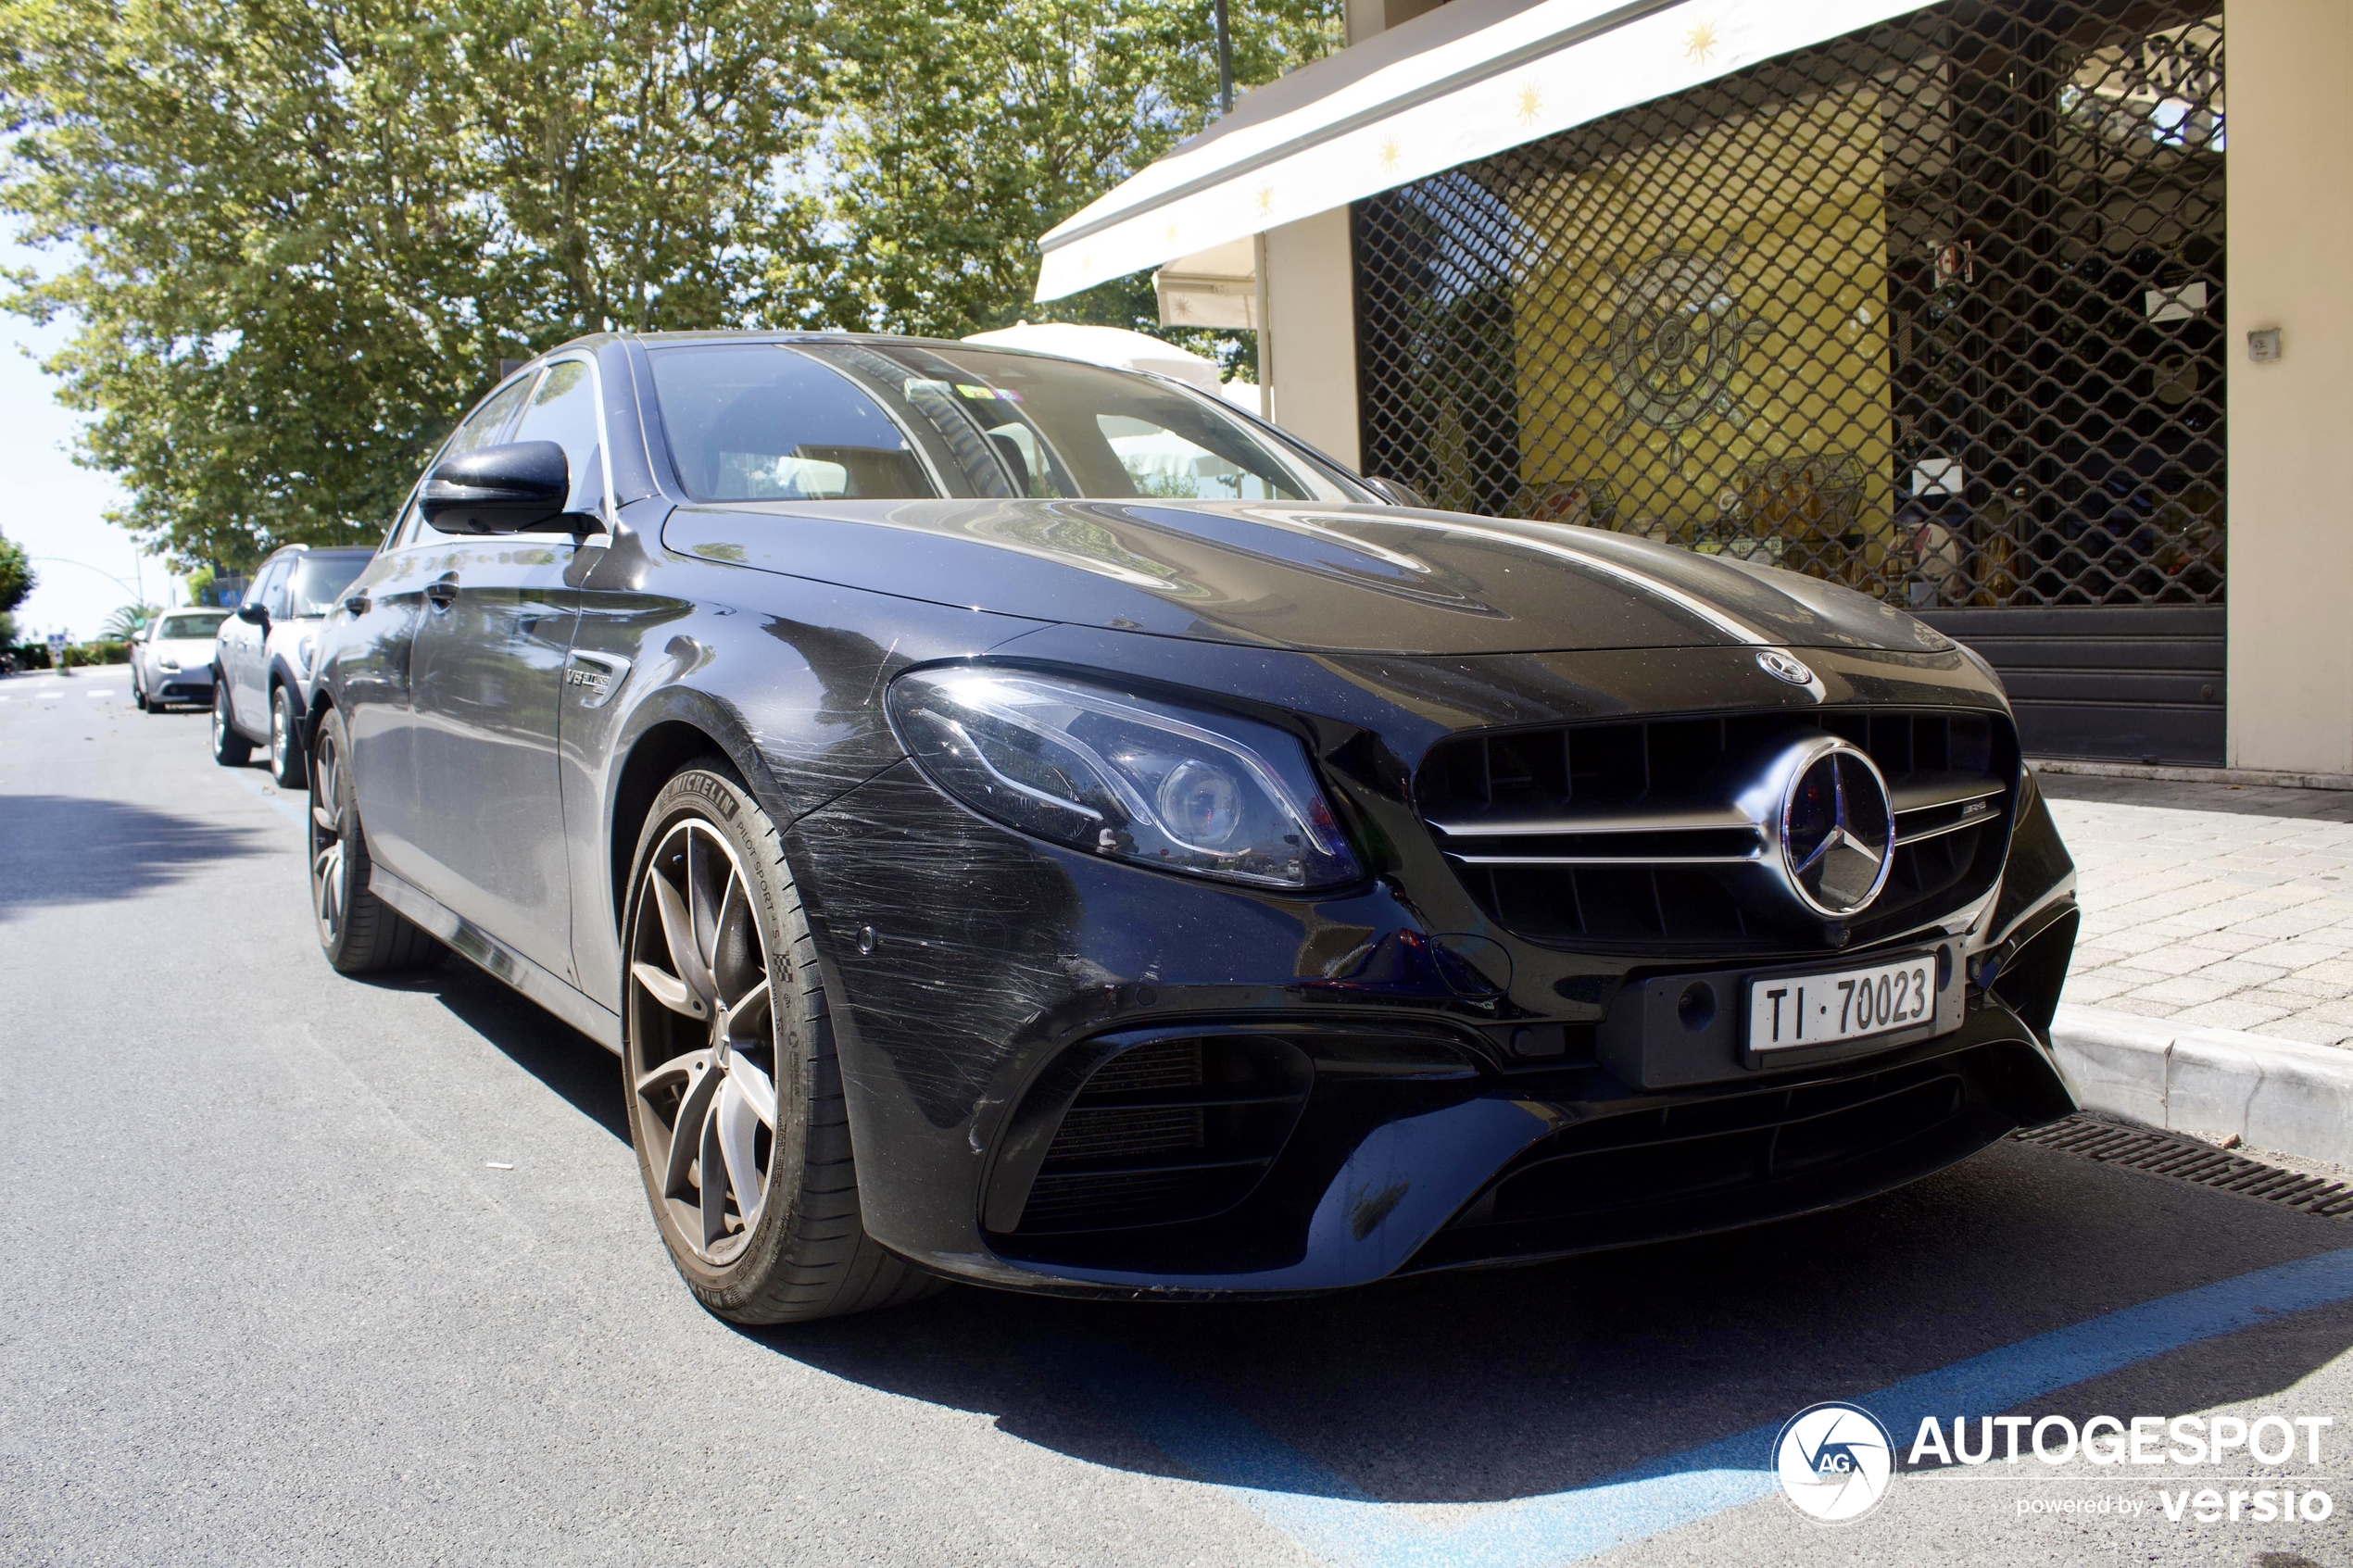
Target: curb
(2279, 1095)
(2165, 772)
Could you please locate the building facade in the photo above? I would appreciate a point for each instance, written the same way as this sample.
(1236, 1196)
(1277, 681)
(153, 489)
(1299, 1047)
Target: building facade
(1940, 307)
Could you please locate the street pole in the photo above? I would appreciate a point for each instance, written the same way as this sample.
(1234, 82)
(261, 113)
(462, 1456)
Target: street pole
(1225, 59)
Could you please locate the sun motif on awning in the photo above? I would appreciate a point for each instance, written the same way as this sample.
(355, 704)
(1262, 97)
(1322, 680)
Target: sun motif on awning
(1675, 344)
(1699, 45)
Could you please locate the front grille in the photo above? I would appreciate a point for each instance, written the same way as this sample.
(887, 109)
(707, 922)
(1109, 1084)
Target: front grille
(1169, 1131)
(1626, 834)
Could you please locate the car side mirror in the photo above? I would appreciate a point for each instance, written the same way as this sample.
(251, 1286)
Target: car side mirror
(512, 488)
(1398, 495)
(254, 615)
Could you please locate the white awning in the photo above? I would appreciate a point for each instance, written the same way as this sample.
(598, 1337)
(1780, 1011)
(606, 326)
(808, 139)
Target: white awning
(1462, 81)
(1217, 287)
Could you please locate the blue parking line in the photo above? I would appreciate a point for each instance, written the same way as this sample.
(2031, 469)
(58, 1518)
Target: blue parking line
(270, 796)
(1335, 1521)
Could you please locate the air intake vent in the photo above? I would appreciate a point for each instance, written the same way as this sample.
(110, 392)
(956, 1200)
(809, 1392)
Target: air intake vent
(1169, 1131)
(1633, 832)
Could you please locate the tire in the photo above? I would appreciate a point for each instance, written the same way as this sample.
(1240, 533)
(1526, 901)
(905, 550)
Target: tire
(285, 740)
(359, 932)
(694, 1059)
(229, 748)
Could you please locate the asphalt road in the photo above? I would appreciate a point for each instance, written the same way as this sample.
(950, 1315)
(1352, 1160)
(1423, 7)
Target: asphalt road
(269, 1295)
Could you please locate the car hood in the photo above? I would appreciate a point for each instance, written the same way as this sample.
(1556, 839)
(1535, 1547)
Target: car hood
(187, 650)
(1361, 578)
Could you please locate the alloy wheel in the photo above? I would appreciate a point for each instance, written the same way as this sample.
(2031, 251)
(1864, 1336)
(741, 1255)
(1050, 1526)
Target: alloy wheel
(703, 1054)
(327, 891)
(278, 739)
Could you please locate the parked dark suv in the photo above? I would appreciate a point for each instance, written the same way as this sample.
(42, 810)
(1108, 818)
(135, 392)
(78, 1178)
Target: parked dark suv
(1029, 822)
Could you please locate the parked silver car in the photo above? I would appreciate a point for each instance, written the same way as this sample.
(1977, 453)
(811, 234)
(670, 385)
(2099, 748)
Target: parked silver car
(262, 657)
(171, 659)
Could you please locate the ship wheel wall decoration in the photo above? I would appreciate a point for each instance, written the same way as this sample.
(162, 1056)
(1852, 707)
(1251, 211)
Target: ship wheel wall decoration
(1675, 344)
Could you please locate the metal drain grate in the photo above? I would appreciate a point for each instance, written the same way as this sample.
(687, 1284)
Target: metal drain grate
(2185, 1159)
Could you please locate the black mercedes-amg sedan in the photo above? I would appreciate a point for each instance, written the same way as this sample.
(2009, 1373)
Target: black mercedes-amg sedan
(1026, 822)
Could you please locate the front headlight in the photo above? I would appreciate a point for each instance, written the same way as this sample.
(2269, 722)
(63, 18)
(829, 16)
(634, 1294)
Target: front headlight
(169, 665)
(303, 651)
(1124, 776)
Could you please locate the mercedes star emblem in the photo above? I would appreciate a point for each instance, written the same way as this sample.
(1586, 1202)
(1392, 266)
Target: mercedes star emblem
(1773, 661)
(1837, 829)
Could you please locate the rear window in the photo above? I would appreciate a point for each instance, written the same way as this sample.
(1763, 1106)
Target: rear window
(823, 420)
(318, 581)
(191, 623)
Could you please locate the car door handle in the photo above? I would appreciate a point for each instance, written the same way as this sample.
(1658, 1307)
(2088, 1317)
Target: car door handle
(442, 590)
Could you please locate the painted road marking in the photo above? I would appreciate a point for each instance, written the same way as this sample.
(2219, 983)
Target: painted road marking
(1335, 1520)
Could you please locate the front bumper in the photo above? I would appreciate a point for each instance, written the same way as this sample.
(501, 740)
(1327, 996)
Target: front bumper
(1402, 1100)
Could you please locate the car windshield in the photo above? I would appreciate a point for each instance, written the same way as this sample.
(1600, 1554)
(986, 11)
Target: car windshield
(858, 420)
(190, 624)
(318, 581)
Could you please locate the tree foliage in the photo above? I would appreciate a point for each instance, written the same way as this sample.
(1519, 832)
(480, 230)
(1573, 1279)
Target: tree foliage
(125, 623)
(308, 229)
(301, 233)
(963, 129)
(16, 577)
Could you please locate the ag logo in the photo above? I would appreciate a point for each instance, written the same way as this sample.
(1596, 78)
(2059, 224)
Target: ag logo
(1833, 1461)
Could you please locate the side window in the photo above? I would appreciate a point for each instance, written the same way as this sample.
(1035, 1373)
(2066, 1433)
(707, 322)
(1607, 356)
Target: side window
(564, 409)
(489, 422)
(272, 588)
(404, 527)
(485, 427)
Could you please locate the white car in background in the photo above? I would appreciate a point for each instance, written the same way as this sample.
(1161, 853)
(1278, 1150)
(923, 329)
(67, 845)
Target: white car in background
(171, 659)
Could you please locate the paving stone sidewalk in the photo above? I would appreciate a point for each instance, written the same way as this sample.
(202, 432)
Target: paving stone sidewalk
(2215, 906)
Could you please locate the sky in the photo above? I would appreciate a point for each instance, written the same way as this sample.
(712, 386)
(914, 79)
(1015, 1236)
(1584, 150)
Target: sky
(88, 567)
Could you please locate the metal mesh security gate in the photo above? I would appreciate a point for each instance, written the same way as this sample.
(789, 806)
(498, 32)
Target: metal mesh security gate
(1933, 311)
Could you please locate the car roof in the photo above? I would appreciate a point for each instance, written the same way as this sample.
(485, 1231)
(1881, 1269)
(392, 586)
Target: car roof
(796, 335)
(362, 551)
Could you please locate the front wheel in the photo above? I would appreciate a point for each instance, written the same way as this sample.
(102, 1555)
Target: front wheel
(735, 1095)
(229, 748)
(358, 931)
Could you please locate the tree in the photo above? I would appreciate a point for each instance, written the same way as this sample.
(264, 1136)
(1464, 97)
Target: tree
(963, 129)
(308, 229)
(124, 624)
(16, 577)
(299, 234)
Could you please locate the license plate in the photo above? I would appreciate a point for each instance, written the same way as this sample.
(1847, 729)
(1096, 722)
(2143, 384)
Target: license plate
(1788, 1011)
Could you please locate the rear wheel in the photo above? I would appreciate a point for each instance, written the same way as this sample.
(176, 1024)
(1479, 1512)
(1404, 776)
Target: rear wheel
(735, 1095)
(359, 932)
(285, 740)
(229, 748)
